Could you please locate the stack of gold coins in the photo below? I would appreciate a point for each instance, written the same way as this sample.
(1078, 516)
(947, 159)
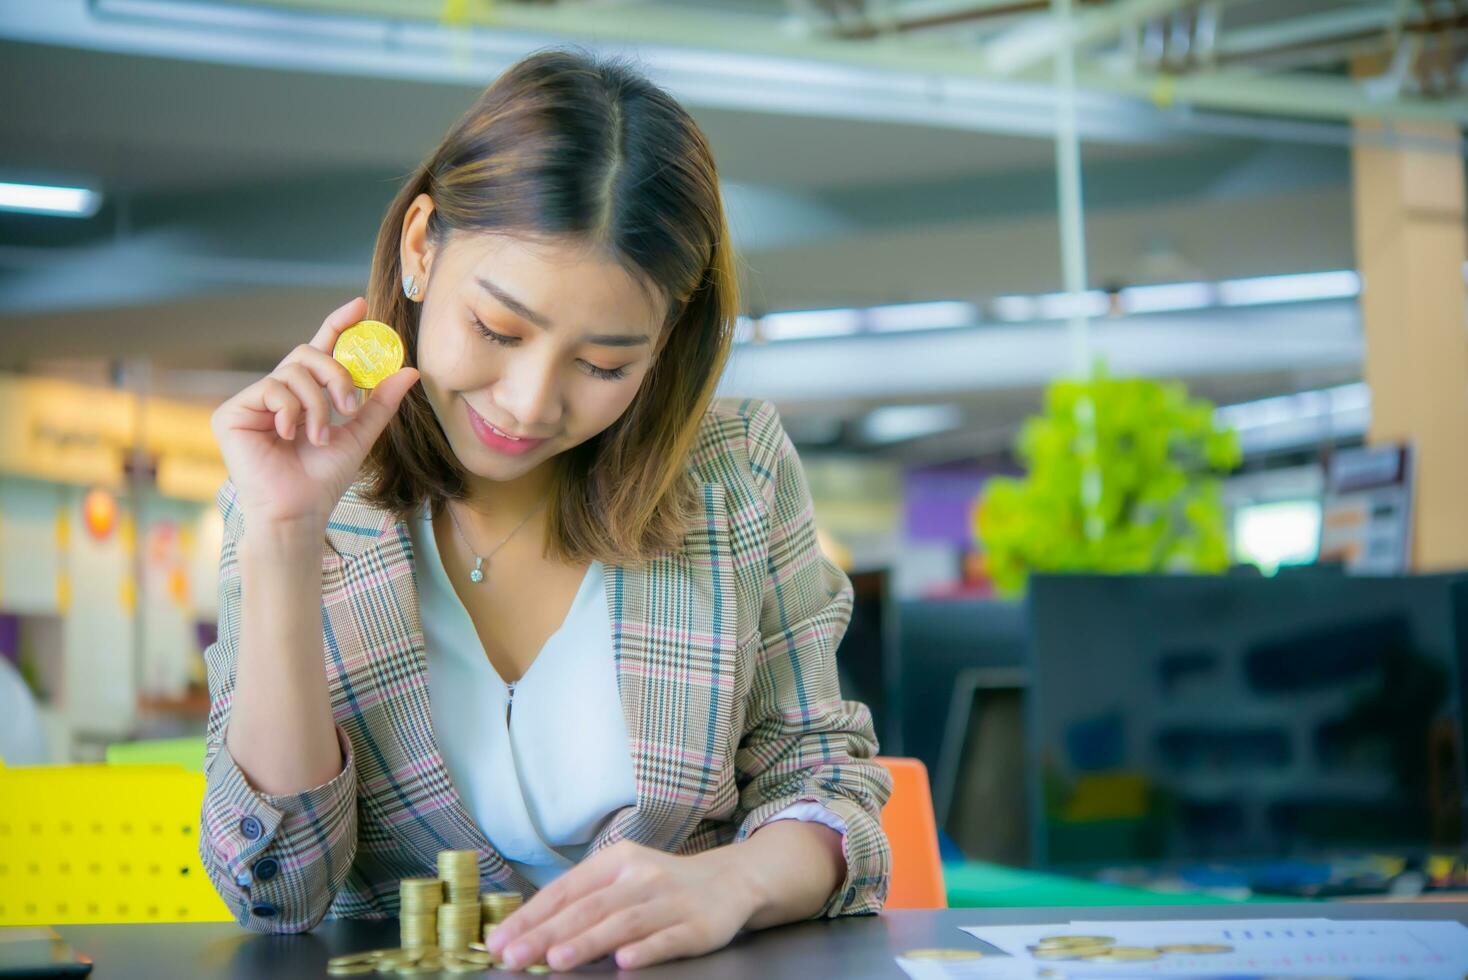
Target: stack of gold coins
(459, 871)
(418, 902)
(458, 918)
(458, 925)
(497, 907)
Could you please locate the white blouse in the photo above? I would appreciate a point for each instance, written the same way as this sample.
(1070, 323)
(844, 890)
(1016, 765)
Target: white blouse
(544, 762)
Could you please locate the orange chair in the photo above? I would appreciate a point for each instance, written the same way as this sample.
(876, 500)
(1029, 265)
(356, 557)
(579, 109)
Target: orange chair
(917, 871)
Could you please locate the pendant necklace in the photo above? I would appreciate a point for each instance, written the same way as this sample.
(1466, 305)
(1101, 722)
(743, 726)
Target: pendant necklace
(476, 574)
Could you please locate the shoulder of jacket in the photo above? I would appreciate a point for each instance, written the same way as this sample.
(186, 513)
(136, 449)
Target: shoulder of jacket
(741, 440)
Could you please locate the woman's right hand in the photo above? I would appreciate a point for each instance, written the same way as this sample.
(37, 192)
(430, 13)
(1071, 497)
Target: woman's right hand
(289, 465)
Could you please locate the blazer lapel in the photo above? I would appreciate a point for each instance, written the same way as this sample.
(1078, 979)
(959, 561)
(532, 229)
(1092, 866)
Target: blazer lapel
(439, 819)
(674, 638)
(674, 631)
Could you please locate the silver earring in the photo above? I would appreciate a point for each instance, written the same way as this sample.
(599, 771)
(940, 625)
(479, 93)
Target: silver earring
(410, 288)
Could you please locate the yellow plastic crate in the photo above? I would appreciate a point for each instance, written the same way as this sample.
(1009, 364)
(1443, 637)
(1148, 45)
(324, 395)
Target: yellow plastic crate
(99, 843)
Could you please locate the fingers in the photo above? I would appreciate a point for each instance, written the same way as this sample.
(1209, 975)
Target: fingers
(309, 393)
(377, 411)
(583, 879)
(340, 318)
(610, 930)
(283, 406)
(573, 925)
(329, 373)
(676, 941)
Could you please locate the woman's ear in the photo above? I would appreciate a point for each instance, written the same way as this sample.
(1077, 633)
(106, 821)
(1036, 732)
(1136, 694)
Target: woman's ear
(415, 250)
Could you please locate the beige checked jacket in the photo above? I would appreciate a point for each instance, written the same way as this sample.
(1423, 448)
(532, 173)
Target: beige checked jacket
(725, 657)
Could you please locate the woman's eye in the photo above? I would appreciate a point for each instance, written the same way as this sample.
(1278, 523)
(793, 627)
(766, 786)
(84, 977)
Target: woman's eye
(606, 374)
(489, 334)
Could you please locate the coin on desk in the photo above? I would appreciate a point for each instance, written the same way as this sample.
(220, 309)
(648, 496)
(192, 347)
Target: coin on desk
(1065, 952)
(943, 954)
(1122, 954)
(370, 350)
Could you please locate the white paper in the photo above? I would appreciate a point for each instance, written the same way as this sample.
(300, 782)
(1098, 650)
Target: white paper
(1388, 950)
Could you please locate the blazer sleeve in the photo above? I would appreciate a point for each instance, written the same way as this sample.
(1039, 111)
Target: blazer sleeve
(801, 741)
(276, 860)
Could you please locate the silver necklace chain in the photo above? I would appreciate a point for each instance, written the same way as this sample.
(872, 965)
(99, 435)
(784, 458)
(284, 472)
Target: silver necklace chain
(476, 574)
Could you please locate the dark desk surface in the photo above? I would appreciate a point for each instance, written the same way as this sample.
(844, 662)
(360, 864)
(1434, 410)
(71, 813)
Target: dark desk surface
(862, 946)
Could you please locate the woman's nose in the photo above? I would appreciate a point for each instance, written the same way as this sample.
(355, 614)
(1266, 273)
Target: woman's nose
(530, 390)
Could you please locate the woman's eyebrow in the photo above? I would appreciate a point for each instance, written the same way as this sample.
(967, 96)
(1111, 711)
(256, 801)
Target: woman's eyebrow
(541, 320)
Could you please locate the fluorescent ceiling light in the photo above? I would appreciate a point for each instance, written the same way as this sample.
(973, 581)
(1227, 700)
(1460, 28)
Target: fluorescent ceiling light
(799, 324)
(1168, 297)
(1300, 287)
(938, 315)
(1061, 306)
(68, 202)
(1317, 404)
(896, 423)
(1014, 309)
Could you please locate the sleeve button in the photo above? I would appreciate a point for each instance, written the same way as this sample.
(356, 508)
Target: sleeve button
(265, 869)
(250, 827)
(264, 910)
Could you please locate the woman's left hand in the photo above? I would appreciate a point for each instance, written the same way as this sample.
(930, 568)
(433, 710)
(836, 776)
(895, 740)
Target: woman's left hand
(641, 904)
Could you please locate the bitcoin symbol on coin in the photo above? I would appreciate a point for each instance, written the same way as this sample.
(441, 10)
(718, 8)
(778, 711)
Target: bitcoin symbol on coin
(370, 350)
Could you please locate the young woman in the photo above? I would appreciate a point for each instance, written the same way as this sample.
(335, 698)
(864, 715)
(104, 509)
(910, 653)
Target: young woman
(541, 596)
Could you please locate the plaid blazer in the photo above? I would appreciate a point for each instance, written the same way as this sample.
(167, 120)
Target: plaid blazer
(725, 659)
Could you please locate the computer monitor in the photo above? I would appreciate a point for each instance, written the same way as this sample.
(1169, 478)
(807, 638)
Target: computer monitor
(938, 639)
(1279, 532)
(863, 662)
(1186, 719)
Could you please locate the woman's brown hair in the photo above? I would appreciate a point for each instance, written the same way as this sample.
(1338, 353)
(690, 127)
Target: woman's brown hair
(566, 146)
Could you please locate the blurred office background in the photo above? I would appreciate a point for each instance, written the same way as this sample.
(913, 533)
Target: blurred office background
(187, 187)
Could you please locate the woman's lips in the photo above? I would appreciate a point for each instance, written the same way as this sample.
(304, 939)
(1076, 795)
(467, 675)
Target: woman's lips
(486, 434)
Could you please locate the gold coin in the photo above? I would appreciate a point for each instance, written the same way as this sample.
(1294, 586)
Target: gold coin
(943, 954)
(1048, 942)
(473, 956)
(370, 350)
(350, 969)
(537, 968)
(1065, 952)
(1122, 954)
(1195, 948)
(351, 959)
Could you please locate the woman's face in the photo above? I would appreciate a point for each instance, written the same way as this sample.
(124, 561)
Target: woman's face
(528, 349)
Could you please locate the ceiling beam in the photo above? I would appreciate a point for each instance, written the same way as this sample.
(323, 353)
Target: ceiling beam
(715, 58)
(1040, 37)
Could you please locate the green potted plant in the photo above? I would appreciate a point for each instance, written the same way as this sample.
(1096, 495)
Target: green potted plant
(1122, 477)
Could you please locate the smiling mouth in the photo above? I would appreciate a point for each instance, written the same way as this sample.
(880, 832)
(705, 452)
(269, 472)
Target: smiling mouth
(500, 432)
(489, 428)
